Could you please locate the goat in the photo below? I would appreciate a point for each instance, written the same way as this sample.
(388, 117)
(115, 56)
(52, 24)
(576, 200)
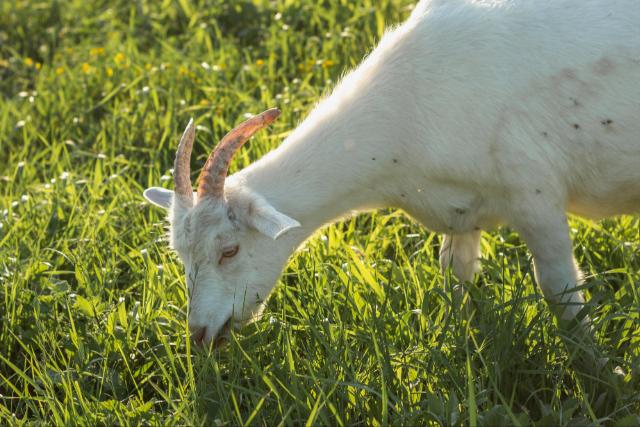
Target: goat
(471, 114)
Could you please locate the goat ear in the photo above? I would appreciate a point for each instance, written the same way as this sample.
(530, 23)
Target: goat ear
(159, 196)
(267, 220)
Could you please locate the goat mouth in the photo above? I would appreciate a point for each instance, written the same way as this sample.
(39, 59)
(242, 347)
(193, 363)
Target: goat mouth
(223, 335)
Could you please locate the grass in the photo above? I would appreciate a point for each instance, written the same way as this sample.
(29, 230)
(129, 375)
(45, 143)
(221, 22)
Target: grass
(361, 329)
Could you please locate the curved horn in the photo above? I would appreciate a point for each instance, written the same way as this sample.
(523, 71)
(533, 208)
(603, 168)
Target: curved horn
(181, 168)
(211, 182)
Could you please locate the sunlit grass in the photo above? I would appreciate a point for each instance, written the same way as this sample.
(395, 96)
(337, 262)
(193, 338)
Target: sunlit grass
(361, 329)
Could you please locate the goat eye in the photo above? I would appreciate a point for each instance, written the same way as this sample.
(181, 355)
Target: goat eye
(229, 253)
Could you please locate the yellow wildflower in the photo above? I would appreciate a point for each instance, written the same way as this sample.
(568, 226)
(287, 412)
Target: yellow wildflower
(306, 66)
(28, 62)
(327, 63)
(204, 102)
(59, 70)
(38, 65)
(183, 70)
(259, 62)
(96, 51)
(109, 71)
(86, 68)
(119, 58)
(147, 66)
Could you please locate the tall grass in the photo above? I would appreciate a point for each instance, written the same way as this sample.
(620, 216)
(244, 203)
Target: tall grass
(361, 329)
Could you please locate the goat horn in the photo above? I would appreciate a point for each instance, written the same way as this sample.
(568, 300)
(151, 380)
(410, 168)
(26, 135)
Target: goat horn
(181, 168)
(211, 182)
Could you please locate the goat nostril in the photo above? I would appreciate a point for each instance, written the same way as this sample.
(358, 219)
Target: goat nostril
(198, 334)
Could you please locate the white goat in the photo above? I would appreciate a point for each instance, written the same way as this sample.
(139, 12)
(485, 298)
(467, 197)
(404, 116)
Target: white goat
(473, 113)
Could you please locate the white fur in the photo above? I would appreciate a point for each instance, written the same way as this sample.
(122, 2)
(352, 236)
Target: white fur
(469, 115)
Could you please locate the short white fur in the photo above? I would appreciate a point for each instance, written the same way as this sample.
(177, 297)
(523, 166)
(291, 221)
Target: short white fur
(471, 114)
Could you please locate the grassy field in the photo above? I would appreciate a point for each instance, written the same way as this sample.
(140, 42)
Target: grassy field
(360, 330)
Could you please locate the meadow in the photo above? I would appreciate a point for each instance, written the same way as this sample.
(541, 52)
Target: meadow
(361, 329)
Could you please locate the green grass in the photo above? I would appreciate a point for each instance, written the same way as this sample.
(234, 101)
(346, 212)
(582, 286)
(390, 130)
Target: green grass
(360, 330)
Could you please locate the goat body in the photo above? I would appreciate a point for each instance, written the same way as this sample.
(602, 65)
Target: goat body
(469, 115)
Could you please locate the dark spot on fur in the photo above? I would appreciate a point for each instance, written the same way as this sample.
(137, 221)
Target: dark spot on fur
(569, 74)
(395, 160)
(576, 126)
(373, 158)
(603, 67)
(402, 195)
(607, 122)
(476, 228)
(538, 191)
(576, 103)
(545, 134)
(450, 227)
(461, 211)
